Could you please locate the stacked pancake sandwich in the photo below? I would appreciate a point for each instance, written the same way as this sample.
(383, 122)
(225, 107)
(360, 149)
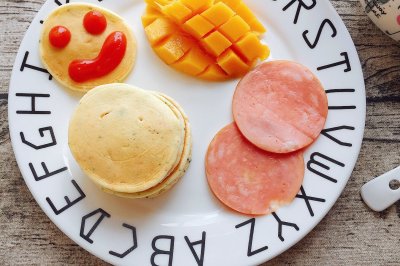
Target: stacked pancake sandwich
(131, 142)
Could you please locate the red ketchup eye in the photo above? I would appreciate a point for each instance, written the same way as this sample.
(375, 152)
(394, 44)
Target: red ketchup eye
(95, 22)
(59, 36)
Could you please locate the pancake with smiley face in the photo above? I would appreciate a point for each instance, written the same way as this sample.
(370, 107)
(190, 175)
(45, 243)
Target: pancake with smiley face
(84, 46)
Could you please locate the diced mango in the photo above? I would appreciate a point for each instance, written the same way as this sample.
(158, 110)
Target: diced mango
(150, 2)
(174, 48)
(216, 43)
(197, 5)
(251, 48)
(232, 64)
(157, 3)
(198, 26)
(231, 3)
(194, 62)
(152, 10)
(214, 72)
(209, 39)
(257, 26)
(160, 29)
(177, 11)
(218, 14)
(244, 12)
(150, 15)
(234, 28)
(148, 19)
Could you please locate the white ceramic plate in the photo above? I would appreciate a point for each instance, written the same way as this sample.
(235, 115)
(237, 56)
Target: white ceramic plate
(188, 225)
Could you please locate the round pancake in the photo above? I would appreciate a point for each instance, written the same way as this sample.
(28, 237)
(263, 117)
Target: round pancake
(179, 170)
(126, 139)
(83, 45)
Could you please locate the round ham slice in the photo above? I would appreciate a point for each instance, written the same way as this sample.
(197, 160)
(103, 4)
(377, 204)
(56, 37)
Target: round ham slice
(248, 179)
(280, 106)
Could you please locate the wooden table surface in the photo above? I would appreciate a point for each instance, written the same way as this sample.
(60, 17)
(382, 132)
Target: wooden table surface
(349, 235)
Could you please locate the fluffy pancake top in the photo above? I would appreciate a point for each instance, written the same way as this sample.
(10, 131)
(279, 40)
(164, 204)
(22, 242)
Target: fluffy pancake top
(179, 170)
(83, 45)
(126, 139)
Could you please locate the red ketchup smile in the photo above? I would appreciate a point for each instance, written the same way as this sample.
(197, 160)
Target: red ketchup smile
(109, 58)
(95, 22)
(59, 36)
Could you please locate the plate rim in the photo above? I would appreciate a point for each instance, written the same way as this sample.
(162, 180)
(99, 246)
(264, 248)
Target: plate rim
(262, 259)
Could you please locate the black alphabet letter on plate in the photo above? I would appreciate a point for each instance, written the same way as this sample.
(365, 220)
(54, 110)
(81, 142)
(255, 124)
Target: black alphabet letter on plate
(69, 202)
(326, 133)
(33, 97)
(325, 22)
(300, 5)
(345, 61)
(129, 250)
(103, 214)
(202, 242)
(345, 107)
(53, 141)
(47, 173)
(26, 65)
(283, 223)
(307, 199)
(314, 161)
(157, 251)
(250, 251)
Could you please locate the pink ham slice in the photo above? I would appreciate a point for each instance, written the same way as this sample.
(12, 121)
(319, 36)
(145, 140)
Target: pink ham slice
(248, 179)
(280, 106)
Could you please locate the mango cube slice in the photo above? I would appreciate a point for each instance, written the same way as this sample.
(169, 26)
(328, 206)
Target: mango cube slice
(177, 11)
(194, 62)
(257, 26)
(231, 63)
(174, 48)
(160, 29)
(251, 48)
(157, 3)
(244, 12)
(150, 2)
(214, 72)
(148, 19)
(197, 5)
(234, 28)
(218, 14)
(150, 15)
(198, 26)
(216, 43)
(231, 3)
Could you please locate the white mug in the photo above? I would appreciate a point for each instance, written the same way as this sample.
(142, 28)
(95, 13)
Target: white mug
(385, 14)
